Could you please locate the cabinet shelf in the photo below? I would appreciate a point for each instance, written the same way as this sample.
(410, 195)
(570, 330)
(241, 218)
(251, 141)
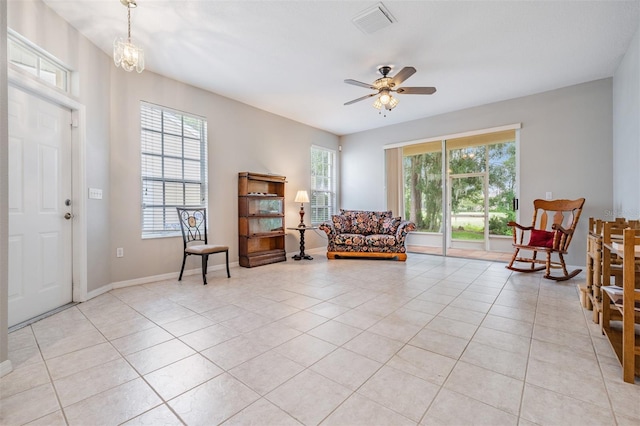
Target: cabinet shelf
(265, 234)
(261, 219)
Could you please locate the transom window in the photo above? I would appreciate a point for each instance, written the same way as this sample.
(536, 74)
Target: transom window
(36, 61)
(174, 167)
(323, 184)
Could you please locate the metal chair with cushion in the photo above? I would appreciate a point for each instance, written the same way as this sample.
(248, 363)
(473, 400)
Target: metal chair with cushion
(193, 223)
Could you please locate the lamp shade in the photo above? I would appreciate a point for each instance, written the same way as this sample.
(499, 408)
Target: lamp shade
(302, 197)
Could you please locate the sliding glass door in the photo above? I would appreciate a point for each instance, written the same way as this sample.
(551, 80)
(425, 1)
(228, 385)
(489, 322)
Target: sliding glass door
(460, 193)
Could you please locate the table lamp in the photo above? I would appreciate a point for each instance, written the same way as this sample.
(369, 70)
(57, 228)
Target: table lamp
(302, 197)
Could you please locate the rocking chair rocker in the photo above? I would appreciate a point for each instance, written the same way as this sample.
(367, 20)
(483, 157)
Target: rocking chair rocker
(553, 241)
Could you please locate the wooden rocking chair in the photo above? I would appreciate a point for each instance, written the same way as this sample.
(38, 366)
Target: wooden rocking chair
(554, 240)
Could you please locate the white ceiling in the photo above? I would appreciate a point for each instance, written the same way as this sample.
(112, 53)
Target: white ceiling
(291, 57)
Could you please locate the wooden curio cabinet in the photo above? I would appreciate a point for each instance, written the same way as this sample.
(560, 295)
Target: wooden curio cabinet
(261, 219)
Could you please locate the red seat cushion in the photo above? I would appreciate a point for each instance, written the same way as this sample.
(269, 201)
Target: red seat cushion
(541, 238)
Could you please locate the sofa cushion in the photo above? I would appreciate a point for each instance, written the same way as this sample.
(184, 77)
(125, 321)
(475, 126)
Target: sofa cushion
(365, 222)
(389, 225)
(341, 223)
(380, 240)
(349, 240)
(353, 213)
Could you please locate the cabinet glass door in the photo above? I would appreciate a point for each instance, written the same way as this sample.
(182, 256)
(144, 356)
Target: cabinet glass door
(262, 206)
(265, 225)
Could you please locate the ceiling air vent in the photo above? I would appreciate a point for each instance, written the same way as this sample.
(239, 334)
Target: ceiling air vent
(373, 19)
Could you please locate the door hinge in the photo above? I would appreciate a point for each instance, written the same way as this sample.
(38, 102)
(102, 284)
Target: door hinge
(74, 123)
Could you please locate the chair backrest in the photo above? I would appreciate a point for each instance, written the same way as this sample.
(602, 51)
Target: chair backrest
(193, 223)
(565, 213)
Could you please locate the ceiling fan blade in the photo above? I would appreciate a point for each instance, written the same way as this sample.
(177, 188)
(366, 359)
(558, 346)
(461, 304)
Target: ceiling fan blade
(417, 90)
(404, 74)
(359, 83)
(360, 99)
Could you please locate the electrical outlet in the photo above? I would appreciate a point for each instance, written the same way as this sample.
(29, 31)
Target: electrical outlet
(119, 252)
(548, 196)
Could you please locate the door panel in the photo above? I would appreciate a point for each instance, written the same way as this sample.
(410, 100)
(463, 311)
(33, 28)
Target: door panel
(48, 185)
(468, 219)
(39, 183)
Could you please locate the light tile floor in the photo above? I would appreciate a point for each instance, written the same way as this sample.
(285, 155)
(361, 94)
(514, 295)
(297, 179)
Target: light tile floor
(437, 341)
(464, 253)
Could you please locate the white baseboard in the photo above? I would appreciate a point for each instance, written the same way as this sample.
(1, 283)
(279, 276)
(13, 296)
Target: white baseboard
(144, 280)
(154, 278)
(172, 275)
(97, 292)
(5, 368)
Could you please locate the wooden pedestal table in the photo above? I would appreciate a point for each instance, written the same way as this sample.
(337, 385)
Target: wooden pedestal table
(302, 254)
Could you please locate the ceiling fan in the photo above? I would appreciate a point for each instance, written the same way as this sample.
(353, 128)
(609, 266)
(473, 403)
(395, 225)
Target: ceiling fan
(386, 85)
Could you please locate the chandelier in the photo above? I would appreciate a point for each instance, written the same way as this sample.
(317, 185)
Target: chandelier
(125, 53)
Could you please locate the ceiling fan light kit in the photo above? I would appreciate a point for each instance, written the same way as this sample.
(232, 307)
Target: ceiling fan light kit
(126, 54)
(385, 97)
(385, 87)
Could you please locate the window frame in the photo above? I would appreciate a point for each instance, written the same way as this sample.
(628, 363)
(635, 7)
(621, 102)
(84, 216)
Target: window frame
(168, 209)
(16, 42)
(315, 189)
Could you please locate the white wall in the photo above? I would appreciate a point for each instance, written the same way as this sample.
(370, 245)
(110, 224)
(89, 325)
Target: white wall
(241, 138)
(565, 148)
(626, 134)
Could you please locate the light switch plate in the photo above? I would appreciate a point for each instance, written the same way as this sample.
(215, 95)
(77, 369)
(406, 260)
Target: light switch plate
(548, 196)
(95, 193)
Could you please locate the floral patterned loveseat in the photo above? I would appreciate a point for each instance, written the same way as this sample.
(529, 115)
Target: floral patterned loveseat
(360, 233)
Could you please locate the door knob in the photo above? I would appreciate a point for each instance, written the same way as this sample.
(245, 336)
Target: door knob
(68, 215)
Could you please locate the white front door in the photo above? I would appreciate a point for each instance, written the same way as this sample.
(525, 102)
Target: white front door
(40, 251)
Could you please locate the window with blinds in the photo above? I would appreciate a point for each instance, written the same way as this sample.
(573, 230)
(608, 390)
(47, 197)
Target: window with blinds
(173, 169)
(323, 184)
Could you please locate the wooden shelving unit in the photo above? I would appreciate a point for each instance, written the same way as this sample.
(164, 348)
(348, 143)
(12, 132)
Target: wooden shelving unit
(600, 272)
(261, 219)
(624, 301)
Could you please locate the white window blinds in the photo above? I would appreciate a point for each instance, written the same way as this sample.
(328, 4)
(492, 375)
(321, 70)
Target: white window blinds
(173, 169)
(323, 184)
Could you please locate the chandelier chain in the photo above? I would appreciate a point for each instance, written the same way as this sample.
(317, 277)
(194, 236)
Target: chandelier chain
(129, 24)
